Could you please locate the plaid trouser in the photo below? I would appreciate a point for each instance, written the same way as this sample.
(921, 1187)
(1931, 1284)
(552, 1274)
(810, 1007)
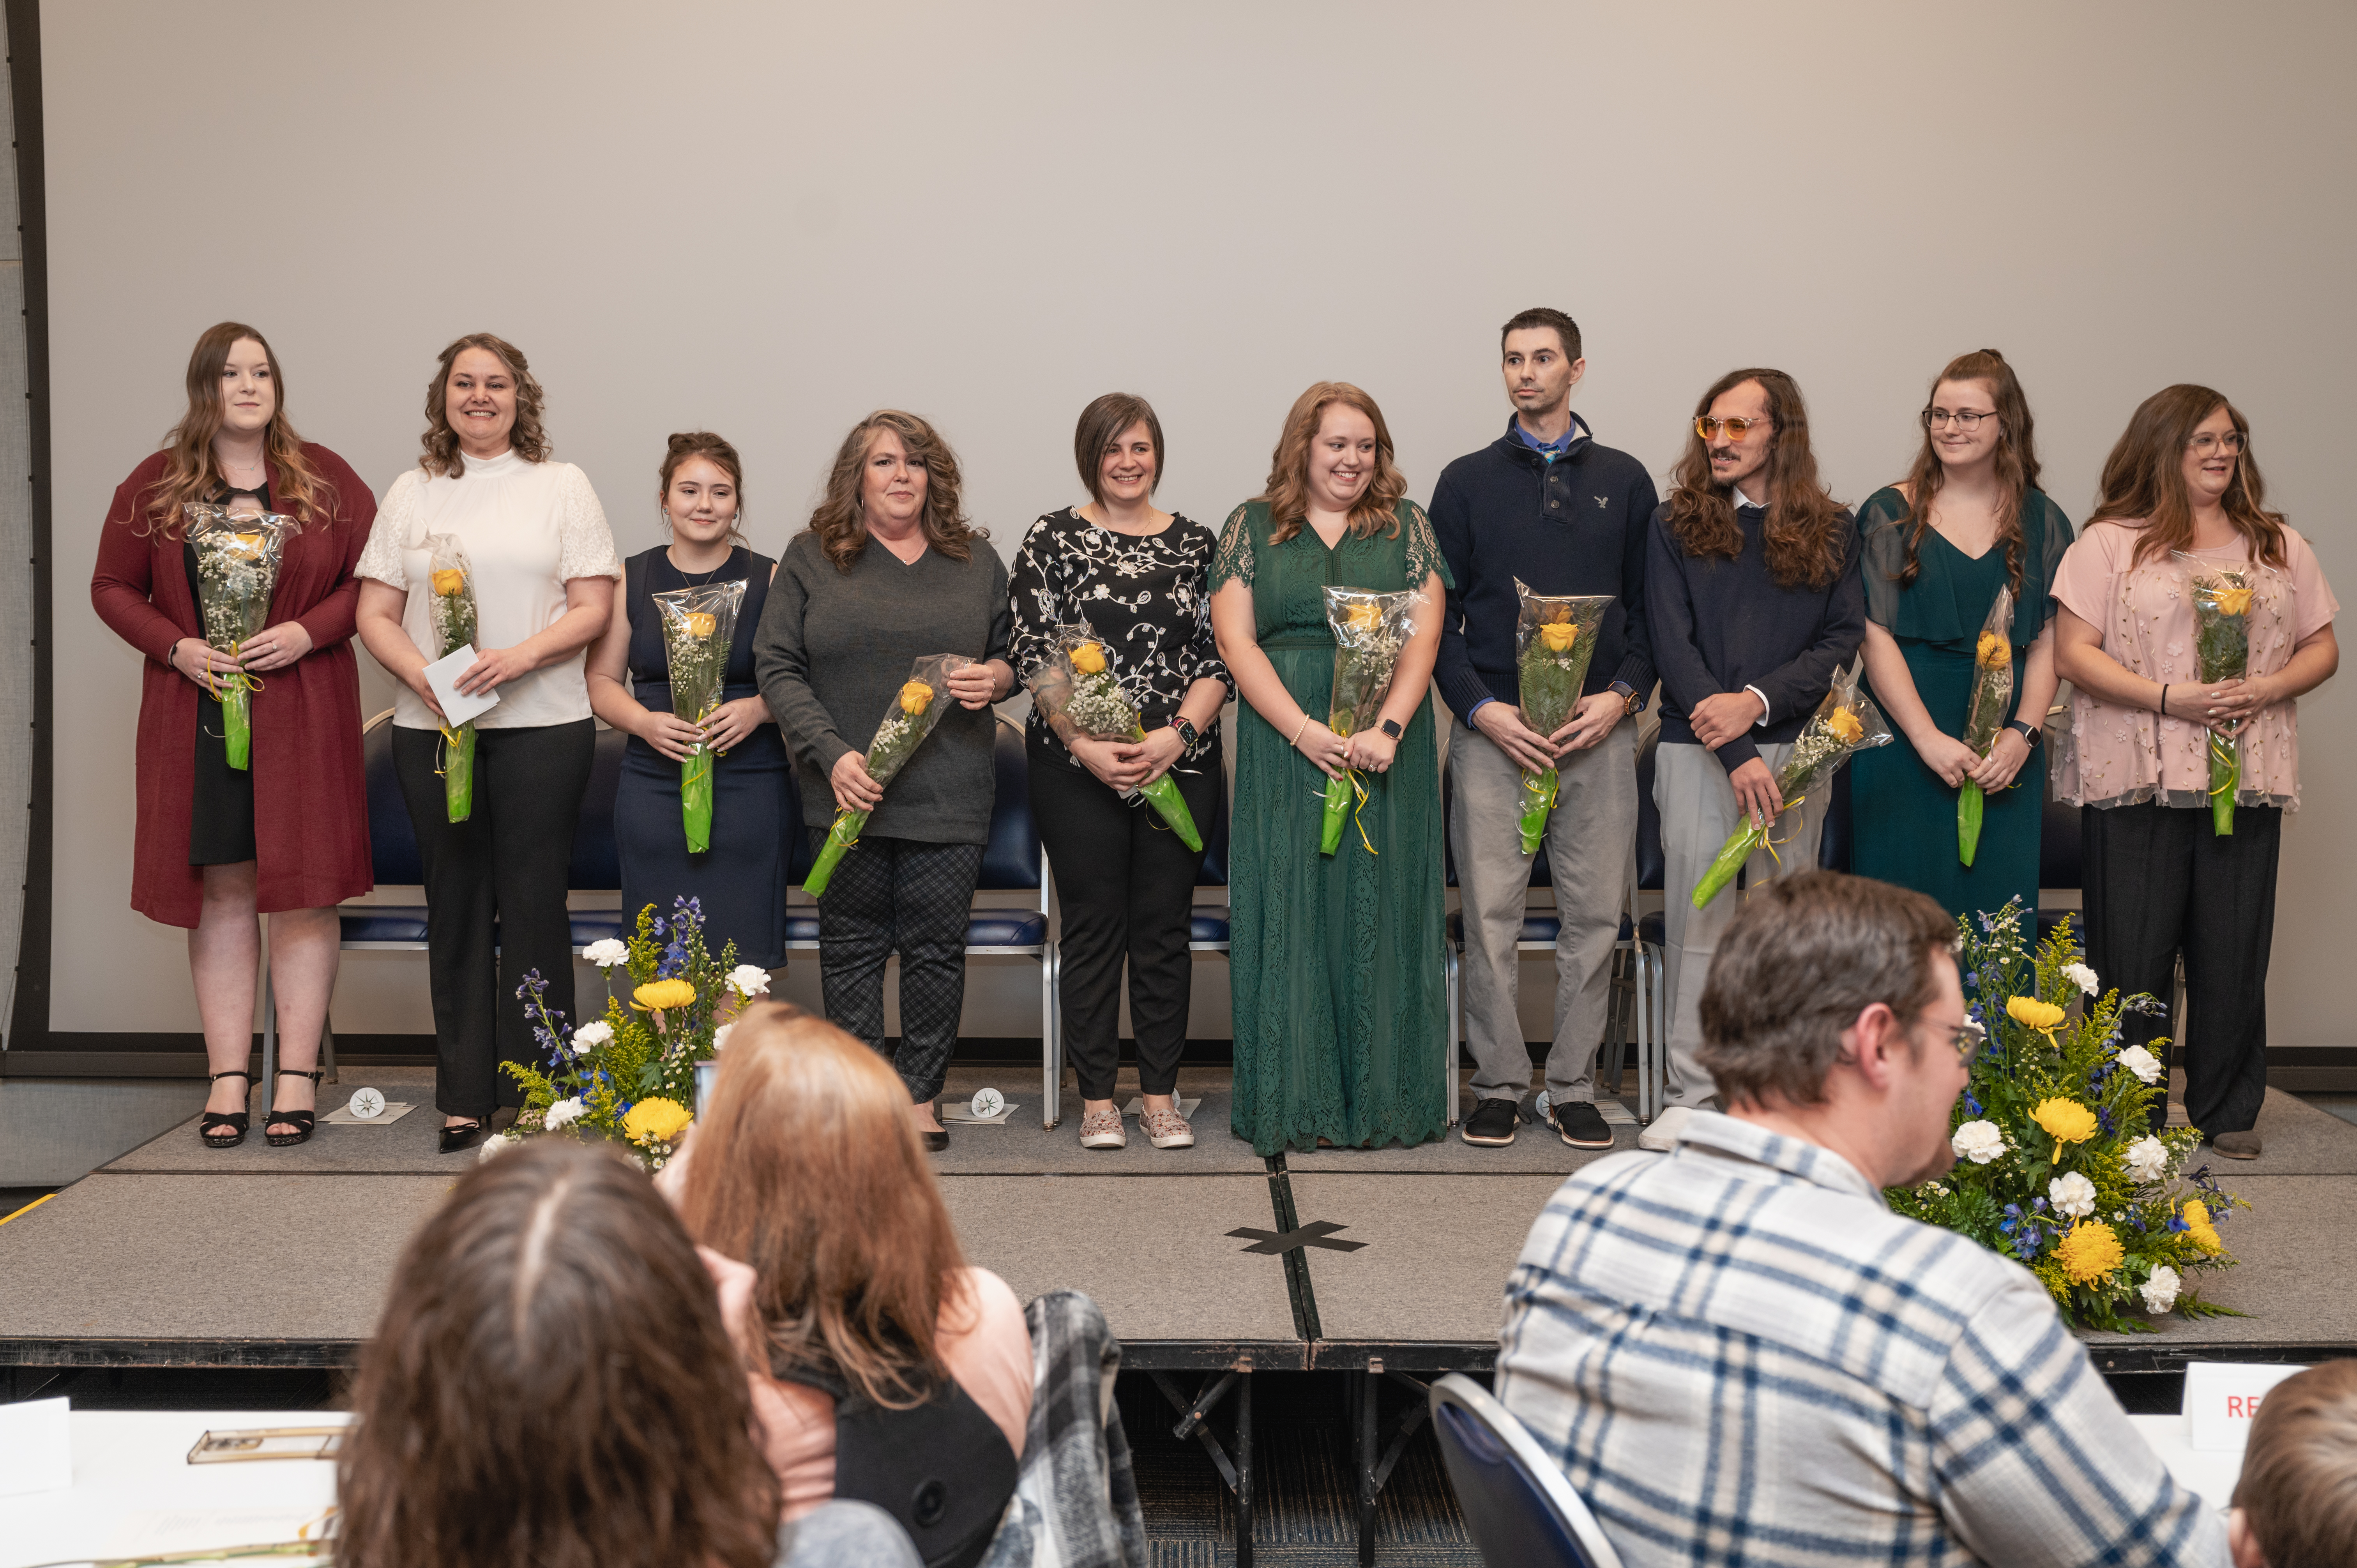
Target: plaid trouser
(898, 895)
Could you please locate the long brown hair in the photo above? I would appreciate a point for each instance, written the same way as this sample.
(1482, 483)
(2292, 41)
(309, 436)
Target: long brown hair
(2144, 479)
(190, 472)
(551, 1383)
(2016, 461)
(808, 1168)
(1807, 538)
(838, 521)
(528, 438)
(713, 449)
(1287, 494)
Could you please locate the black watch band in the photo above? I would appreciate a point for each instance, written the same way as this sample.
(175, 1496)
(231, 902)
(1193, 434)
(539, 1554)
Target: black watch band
(1392, 728)
(1632, 702)
(2028, 731)
(1186, 732)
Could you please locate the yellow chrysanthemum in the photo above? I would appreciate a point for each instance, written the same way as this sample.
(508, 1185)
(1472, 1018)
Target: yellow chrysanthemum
(1559, 638)
(2234, 601)
(1363, 618)
(700, 625)
(2030, 1013)
(1089, 659)
(660, 995)
(1846, 727)
(2198, 1226)
(2065, 1121)
(1994, 652)
(656, 1120)
(2090, 1251)
(449, 581)
(915, 698)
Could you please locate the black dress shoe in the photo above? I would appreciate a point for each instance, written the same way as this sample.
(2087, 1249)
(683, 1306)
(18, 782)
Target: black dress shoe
(459, 1135)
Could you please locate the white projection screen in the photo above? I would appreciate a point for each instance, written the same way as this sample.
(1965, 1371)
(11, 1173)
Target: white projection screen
(767, 219)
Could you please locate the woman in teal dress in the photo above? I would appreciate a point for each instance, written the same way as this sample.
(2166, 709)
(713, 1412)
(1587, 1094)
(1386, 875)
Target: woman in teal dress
(1969, 521)
(1340, 1005)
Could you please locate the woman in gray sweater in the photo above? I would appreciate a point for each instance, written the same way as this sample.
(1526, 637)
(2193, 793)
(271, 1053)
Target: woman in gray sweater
(888, 572)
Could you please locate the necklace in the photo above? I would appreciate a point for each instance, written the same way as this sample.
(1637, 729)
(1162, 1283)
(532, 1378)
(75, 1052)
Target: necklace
(689, 579)
(233, 469)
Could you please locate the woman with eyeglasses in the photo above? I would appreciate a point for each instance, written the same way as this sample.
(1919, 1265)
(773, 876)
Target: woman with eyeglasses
(2182, 501)
(1967, 523)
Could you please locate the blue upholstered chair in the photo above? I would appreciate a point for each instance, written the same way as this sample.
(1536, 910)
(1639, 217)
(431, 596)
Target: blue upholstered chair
(1518, 1506)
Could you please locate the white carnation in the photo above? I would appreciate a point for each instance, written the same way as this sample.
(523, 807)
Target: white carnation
(2148, 1159)
(2073, 1195)
(2080, 975)
(589, 1037)
(498, 1144)
(720, 1037)
(608, 953)
(2161, 1291)
(2142, 1063)
(748, 981)
(1979, 1142)
(563, 1113)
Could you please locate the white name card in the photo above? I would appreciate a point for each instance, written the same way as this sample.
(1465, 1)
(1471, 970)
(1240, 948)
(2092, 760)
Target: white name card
(2220, 1398)
(443, 676)
(36, 1447)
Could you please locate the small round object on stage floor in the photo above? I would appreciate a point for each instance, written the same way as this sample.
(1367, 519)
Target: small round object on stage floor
(367, 1104)
(986, 1103)
(1541, 1106)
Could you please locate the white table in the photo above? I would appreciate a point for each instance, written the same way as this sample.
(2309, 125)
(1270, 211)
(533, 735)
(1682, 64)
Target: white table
(2211, 1474)
(134, 1489)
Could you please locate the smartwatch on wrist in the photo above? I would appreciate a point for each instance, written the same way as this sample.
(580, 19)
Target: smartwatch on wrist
(1392, 728)
(1186, 732)
(2029, 733)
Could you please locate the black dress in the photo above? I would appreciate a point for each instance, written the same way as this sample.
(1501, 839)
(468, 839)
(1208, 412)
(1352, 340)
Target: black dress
(741, 880)
(220, 825)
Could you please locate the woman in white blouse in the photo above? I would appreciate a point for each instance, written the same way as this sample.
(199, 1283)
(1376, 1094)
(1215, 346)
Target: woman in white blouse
(543, 567)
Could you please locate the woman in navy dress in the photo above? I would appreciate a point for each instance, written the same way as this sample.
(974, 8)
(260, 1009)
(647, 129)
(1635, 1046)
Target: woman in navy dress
(740, 881)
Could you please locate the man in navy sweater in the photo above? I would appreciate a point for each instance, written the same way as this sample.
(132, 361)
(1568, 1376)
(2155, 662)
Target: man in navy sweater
(1545, 504)
(1752, 592)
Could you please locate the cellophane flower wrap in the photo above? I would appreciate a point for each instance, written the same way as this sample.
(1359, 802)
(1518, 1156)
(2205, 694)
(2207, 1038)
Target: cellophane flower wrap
(922, 699)
(1078, 681)
(450, 580)
(1371, 629)
(237, 571)
(1845, 724)
(1555, 638)
(699, 625)
(2062, 1160)
(628, 1077)
(2222, 651)
(1985, 720)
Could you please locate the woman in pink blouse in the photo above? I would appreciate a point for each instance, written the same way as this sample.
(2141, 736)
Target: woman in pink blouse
(2181, 496)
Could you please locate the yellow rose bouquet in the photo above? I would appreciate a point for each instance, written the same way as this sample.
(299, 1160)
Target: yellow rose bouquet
(452, 581)
(1553, 641)
(1845, 723)
(921, 701)
(236, 570)
(1370, 632)
(1079, 683)
(699, 626)
(2222, 651)
(1985, 718)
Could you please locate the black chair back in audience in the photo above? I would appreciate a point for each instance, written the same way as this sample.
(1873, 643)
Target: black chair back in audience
(1519, 1507)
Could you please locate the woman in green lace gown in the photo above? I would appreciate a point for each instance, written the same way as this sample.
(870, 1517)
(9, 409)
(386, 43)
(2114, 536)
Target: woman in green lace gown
(1340, 1013)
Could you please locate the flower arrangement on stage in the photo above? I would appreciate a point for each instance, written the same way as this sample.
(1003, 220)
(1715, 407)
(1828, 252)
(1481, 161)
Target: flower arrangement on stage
(1078, 682)
(915, 711)
(629, 1077)
(1370, 631)
(2059, 1163)
(1555, 638)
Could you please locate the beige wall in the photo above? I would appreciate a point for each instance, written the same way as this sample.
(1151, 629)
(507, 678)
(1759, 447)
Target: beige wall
(768, 218)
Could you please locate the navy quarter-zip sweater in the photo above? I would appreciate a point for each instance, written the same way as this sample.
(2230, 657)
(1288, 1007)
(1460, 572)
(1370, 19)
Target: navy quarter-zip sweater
(1576, 525)
(1721, 625)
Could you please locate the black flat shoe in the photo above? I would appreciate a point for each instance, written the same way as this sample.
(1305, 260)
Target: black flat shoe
(224, 1129)
(936, 1140)
(459, 1135)
(301, 1120)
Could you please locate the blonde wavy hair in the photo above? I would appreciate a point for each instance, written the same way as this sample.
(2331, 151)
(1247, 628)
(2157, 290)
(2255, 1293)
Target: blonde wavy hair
(838, 519)
(1288, 496)
(190, 472)
(529, 438)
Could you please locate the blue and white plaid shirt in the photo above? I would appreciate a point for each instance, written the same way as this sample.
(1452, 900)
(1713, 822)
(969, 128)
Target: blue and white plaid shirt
(1740, 1356)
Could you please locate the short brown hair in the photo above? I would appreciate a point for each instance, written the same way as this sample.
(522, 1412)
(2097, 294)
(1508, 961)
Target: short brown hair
(1799, 961)
(841, 525)
(1100, 425)
(1566, 330)
(2298, 1489)
(713, 449)
(528, 438)
(551, 1383)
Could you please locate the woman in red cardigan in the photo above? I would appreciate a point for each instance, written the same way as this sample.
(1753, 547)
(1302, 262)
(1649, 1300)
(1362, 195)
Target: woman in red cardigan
(288, 837)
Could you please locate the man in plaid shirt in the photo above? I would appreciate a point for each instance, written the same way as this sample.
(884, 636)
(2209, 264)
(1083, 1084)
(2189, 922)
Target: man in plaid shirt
(1740, 1356)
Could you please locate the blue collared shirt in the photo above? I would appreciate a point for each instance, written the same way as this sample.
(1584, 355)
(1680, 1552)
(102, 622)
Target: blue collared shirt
(1550, 450)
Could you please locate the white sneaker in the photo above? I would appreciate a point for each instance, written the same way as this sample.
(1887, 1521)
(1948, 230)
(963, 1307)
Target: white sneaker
(1666, 1128)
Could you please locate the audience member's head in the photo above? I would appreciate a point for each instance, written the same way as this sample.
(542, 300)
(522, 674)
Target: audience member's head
(551, 1384)
(807, 1167)
(1833, 1009)
(2296, 1506)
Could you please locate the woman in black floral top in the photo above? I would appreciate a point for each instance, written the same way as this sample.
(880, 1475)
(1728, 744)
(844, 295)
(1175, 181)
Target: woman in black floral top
(1136, 575)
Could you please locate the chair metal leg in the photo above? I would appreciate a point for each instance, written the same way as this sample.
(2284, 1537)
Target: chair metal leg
(1235, 1468)
(1375, 1451)
(269, 1033)
(1456, 1022)
(1050, 1079)
(1660, 1035)
(328, 1047)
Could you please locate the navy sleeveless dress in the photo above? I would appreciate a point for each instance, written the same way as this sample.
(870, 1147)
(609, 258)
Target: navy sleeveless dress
(741, 879)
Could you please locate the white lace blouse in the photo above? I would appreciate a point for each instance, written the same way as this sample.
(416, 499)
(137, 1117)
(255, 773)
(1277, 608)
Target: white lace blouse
(527, 528)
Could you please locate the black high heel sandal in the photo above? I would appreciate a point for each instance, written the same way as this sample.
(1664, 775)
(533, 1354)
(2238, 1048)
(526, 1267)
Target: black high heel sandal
(458, 1134)
(213, 1123)
(302, 1120)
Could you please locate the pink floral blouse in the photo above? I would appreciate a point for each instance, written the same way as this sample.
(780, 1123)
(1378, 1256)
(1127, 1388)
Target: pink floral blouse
(2124, 756)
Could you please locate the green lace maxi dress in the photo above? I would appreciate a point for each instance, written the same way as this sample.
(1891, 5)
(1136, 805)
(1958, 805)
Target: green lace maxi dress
(1339, 1002)
(1904, 816)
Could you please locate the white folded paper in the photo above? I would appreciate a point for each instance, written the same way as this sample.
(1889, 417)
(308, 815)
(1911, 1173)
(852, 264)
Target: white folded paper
(443, 676)
(36, 1447)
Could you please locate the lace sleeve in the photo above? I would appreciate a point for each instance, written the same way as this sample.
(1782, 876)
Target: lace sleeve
(1424, 556)
(1882, 557)
(2053, 543)
(587, 544)
(389, 535)
(1233, 562)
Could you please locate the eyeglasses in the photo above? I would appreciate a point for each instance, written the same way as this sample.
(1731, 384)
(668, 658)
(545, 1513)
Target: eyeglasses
(1965, 1038)
(1708, 428)
(1936, 418)
(2204, 443)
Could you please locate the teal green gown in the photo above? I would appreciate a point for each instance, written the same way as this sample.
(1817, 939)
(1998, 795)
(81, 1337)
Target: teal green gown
(1903, 816)
(1340, 1001)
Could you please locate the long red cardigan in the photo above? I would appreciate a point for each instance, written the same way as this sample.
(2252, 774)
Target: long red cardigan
(311, 799)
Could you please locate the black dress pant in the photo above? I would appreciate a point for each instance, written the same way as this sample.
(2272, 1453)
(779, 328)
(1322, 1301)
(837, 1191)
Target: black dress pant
(1127, 886)
(2158, 881)
(495, 890)
(898, 895)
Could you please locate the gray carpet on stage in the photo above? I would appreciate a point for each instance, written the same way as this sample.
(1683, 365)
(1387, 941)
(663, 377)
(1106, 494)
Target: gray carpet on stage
(1020, 1145)
(407, 1146)
(1436, 1254)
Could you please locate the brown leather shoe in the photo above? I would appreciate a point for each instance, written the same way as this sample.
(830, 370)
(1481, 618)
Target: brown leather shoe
(2237, 1145)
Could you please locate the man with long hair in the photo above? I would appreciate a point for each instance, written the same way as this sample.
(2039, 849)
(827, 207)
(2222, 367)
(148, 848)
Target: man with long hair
(1545, 506)
(1752, 599)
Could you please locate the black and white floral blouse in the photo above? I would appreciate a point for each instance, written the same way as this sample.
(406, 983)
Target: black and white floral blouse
(1145, 599)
